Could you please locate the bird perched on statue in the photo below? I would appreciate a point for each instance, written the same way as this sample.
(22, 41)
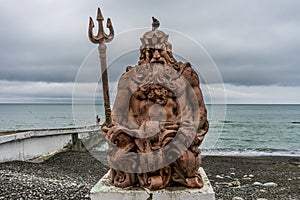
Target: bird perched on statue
(155, 23)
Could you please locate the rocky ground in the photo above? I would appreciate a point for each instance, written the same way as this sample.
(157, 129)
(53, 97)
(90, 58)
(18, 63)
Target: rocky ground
(71, 175)
(258, 178)
(68, 175)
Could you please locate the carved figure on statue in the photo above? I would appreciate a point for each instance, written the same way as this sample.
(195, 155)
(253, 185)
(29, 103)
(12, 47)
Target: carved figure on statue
(159, 119)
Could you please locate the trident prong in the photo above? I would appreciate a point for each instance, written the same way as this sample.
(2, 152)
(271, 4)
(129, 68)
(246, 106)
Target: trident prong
(101, 36)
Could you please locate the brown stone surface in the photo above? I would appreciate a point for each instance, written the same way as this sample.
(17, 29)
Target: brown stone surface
(159, 120)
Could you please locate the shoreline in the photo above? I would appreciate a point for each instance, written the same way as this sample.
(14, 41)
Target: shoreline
(252, 155)
(71, 175)
(210, 152)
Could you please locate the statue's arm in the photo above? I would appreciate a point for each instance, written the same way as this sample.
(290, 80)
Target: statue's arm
(121, 106)
(193, 78)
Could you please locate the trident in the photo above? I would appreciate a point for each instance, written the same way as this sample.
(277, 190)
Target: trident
(101, 38)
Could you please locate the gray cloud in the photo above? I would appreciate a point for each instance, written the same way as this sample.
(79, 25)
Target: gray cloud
(253, 43)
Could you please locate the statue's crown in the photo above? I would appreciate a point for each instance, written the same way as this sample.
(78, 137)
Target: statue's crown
(155, 39)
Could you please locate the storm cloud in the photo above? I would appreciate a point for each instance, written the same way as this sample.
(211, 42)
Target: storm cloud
(254, 44)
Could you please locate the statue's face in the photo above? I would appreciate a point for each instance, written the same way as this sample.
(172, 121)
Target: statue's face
(157, 56)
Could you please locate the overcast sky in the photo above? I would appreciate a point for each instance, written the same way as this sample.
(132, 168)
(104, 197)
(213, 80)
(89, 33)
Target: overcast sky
(254, 44)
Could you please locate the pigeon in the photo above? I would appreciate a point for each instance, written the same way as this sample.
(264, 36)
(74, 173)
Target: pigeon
(155, 23)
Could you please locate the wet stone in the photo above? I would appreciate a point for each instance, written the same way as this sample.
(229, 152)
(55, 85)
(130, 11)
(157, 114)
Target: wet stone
(270, 184)
(234, 184)
(237, 198)
(257, 184)
(220, 177)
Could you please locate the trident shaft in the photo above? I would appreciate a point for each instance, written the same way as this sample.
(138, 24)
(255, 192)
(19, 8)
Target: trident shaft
(101, 38)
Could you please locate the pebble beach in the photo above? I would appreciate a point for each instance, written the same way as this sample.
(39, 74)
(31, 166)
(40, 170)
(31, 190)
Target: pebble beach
(71, 175)
(254, 178)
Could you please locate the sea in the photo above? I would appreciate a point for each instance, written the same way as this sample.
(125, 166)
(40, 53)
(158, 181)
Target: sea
(235, 129)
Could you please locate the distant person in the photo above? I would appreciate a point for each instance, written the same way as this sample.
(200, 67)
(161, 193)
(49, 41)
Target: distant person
(97, 120)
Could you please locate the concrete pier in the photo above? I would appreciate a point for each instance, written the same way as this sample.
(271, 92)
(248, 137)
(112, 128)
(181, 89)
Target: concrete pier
(25, 145)
(104, 189)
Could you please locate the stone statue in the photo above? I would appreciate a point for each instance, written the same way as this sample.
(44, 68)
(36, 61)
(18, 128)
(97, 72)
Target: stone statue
(159, 120)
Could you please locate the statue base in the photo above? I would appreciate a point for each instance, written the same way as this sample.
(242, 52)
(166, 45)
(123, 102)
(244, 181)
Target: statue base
(104, 189)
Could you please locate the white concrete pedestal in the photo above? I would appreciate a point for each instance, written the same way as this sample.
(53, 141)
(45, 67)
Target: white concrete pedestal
(104, 189)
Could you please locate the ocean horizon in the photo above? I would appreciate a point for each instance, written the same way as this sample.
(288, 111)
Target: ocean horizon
(235, 129)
